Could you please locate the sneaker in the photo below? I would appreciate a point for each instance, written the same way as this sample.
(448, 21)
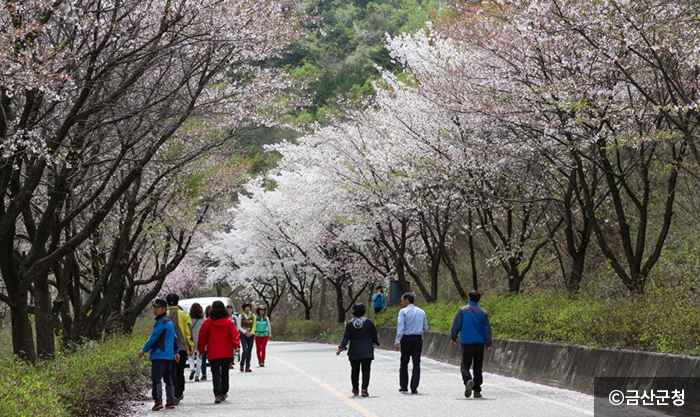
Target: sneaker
(177, 400)
(224, 397)
(355, 393)
(196, 379)
(365, 393)
(248, 370)
(157, 406)
(217, 399)
(477, 394)
(191, 375)
(414, 391)
(242, 369)
(262, 364)
(468, 388)
(170, 406)
(403, 390)
(204, 378)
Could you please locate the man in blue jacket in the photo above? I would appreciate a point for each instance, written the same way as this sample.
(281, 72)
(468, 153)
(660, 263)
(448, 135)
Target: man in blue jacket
(472, 324)
(163, 352)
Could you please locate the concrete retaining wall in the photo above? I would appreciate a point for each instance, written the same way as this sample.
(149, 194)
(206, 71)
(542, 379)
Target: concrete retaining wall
(559, 365)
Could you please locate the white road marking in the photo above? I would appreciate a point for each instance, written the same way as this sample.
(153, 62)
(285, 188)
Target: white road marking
(350, 403)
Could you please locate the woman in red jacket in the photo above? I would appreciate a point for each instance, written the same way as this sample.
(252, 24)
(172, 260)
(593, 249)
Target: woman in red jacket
(219, 337)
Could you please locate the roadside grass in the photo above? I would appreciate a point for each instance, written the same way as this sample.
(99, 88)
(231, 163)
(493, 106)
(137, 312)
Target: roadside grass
(655, 321)
(92, 379)
(308, 330)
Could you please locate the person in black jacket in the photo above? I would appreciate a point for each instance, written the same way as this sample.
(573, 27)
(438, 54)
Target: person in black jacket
(361, 333)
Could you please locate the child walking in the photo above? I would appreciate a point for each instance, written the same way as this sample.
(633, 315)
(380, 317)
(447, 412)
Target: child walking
(197, 317)
(263, 333)
(219, 337)
(207, 312)
(232, 316)
(163, 353)
(361, 333)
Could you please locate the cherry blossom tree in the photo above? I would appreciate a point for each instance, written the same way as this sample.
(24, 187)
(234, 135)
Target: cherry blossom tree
(92, 94)
(519, 123)
(573, 98)
(534, 86)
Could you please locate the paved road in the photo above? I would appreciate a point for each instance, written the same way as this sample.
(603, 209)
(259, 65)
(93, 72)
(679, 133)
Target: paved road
(307, 379)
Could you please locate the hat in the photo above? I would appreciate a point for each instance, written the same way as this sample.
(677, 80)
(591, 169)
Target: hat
(159, 302)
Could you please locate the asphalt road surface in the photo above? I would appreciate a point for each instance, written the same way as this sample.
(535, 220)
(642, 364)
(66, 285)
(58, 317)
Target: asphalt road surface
(309, 380)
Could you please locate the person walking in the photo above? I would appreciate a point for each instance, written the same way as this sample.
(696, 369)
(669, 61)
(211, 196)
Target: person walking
(472, 325)
(263, 333)
(411, 325)
(162, 352)
(361, 333)
(246, 327)
(183, 330)
(219, 337)
(379, 300)
(197, 318)
(207, 312)
(233, 317)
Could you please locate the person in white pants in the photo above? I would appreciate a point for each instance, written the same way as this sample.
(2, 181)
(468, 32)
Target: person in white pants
(194, 362)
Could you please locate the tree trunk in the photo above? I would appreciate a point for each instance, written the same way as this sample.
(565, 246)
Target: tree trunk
(45, 343)
(447, 259)
(322, 301)
(401, 275)
(472, 257)
(22, 336)
(514, 281)
(434, 275)
(340, 318)
(573, 283)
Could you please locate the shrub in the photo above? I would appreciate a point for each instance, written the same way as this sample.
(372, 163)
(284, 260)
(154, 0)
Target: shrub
(26, 391)
(95, 375)
(78, 383)
(308, 330)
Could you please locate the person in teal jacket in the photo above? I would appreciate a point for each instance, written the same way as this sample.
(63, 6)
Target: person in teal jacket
(379, 300)
(163, 352)
(263, 333)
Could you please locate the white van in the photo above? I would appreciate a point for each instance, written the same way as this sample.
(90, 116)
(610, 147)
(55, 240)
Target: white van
(204, 302)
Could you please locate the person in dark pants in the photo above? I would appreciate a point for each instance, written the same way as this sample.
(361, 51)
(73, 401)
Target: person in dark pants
(411, 325)
(219, 337)
(246, 327)
(207, 314)
(361, 333)
(162, 351)
(379, 300)
(233, 316)
(471, 323)
(183, 330)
